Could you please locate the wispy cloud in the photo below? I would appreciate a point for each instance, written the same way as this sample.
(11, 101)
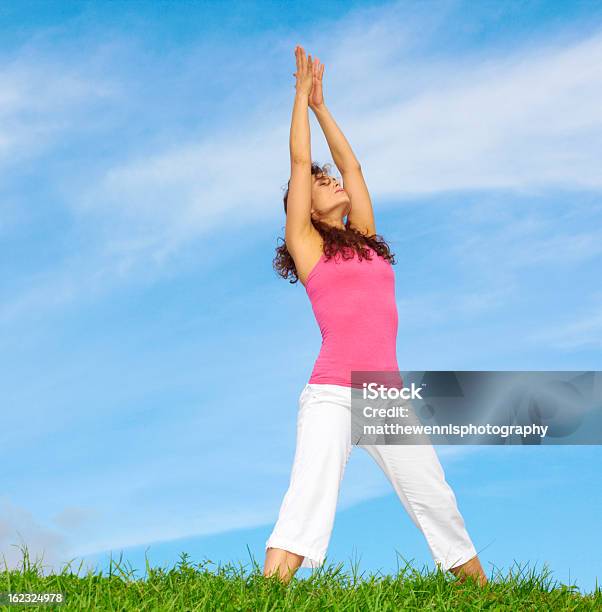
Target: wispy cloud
(577, 330)
(509, 489)
(20, 529)
(489, 250)
(428, 308)
(516, 235)
(42, 101)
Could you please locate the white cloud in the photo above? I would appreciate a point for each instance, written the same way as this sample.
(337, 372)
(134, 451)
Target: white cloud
(19, 529)
(510, 489)
(41, 100)
(430, 308)
(158, 202)
(580, 331)
(529, 237)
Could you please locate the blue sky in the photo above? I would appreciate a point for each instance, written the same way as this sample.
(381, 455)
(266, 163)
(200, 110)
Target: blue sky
(152, 360)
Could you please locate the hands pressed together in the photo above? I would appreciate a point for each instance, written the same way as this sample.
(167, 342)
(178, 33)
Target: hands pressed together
(309, 77)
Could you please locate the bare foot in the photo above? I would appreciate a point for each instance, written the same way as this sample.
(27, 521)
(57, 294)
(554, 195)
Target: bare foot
(470, 568)
(281, 562)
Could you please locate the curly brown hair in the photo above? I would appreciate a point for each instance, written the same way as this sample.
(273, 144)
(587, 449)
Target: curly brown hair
(347, 242)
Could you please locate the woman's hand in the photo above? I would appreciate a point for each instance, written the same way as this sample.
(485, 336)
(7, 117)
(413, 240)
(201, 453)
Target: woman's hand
(316, 98)
(304, 72)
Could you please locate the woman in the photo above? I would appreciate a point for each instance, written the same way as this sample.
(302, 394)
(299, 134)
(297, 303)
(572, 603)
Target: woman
(346, 270)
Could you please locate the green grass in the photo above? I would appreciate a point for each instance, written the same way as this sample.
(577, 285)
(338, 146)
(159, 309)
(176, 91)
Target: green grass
(207, 586)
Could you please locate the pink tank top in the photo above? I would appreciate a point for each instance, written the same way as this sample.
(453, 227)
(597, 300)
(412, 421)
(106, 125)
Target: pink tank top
(354, 305)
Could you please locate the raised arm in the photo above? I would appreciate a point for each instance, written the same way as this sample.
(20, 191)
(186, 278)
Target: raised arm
(362, 213)
(298, 215)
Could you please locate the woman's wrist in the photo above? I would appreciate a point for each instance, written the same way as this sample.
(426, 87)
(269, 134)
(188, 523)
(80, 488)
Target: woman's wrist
(302, 95)
(317, 107)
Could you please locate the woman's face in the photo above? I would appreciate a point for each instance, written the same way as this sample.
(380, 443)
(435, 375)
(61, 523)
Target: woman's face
(328, 198)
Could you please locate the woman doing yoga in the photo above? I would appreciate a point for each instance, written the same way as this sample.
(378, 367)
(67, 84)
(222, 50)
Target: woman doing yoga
(332, 247)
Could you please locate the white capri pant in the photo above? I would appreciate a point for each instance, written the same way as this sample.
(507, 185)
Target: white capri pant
(306, 516)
